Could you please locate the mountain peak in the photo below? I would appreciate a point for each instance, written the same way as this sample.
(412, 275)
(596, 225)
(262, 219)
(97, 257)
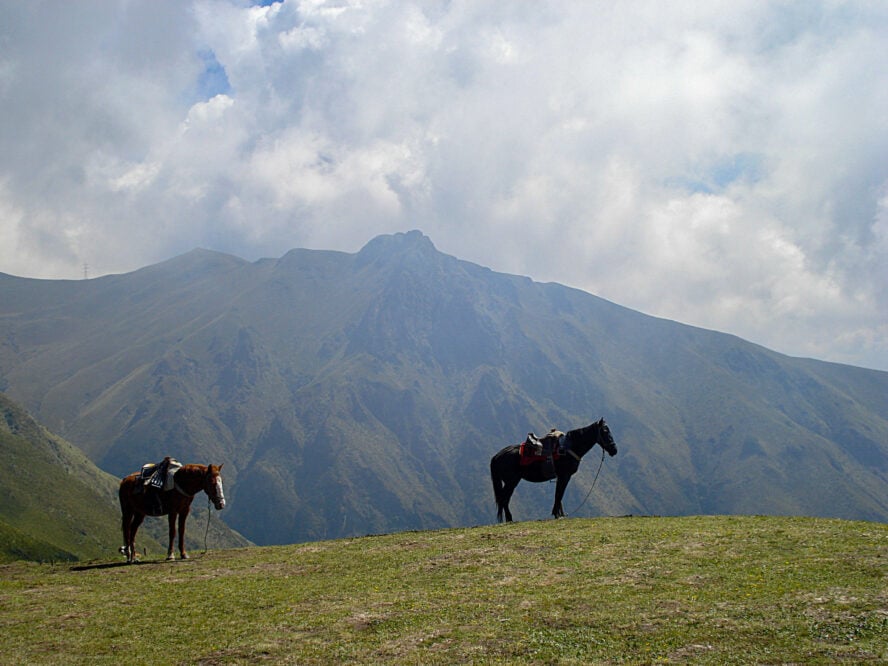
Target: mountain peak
(412, 242)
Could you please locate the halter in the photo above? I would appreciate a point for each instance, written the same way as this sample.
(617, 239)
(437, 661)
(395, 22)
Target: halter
(575, 455)
(184, 492)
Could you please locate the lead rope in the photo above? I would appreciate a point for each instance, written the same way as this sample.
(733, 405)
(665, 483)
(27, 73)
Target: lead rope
(600, 465)
(207, 532)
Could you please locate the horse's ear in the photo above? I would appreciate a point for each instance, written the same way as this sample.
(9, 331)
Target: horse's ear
(223, 464)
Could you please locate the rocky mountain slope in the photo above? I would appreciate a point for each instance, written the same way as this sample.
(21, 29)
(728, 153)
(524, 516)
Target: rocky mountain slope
(357, 393)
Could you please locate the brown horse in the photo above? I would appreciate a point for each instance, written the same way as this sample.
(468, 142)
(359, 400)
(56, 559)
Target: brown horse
(135, 503)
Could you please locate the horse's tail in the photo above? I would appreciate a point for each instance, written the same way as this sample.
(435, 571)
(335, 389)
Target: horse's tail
(498, 484)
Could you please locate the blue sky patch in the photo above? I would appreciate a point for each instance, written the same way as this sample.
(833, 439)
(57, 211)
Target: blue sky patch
(213, 80)
(745, 167)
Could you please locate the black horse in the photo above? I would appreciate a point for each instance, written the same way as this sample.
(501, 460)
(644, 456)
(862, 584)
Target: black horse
(506, 469)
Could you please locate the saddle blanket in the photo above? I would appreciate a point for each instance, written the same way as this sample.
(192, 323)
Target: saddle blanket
(530, 454)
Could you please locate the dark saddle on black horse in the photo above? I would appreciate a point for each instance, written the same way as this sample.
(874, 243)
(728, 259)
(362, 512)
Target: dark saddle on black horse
(545, 450)
(550, 445)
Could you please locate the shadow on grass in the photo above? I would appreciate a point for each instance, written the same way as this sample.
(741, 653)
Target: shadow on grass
(115, 565)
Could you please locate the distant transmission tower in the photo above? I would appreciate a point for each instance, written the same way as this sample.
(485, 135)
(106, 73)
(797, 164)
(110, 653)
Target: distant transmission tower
(85, 271)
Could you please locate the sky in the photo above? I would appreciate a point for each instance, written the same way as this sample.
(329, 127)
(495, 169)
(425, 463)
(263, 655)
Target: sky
(721, 164)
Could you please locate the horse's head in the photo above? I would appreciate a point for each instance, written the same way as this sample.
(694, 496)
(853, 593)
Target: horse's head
(605, 439)
(213, 486)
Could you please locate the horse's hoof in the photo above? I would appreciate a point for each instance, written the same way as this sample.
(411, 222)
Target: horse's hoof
(171, 557)
(184, 556)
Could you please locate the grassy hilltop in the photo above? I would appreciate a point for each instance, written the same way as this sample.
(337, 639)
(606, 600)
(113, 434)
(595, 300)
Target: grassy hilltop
(617, 590)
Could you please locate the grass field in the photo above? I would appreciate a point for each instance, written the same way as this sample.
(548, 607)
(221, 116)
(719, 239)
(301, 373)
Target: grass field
(702, 590)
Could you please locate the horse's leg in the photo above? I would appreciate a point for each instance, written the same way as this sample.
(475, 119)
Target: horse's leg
(509, 486)
(497, 488)
(182, 517)
(125, 521)
(560, 487)
(172, 519)
(134, 527)
(499, 485)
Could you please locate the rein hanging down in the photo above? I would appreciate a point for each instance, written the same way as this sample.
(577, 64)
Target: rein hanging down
(600, 465)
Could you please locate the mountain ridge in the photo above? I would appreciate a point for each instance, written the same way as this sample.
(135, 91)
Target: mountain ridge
(366, 392)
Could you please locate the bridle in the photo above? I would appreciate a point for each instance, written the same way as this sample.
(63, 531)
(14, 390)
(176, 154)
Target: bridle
(601, 443)
(217, 497)
(598, 440)
(212, 497)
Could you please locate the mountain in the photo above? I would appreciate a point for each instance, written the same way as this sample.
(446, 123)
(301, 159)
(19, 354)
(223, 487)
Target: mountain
(357, 393)
(55, 504)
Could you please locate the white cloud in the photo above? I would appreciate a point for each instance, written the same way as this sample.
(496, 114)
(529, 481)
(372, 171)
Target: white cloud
(211, 111)
(135, 177)
(716, 163)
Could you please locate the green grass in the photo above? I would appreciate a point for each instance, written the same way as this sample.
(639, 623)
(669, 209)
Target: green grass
(703, 590)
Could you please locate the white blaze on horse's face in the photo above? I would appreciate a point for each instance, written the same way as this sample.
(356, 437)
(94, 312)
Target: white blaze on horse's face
(219, 496)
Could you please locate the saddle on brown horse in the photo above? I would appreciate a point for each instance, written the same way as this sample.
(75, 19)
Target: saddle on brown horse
(156, 479)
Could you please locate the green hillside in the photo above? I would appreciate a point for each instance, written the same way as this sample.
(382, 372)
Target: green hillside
(56, 505)
(701, 590)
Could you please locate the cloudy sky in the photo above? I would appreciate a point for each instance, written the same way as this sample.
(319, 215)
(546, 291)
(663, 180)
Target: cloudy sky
(721, 164)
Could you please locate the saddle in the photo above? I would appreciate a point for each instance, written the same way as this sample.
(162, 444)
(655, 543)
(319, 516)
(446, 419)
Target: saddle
(155, 480)
(546, 449)
(159, 475)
